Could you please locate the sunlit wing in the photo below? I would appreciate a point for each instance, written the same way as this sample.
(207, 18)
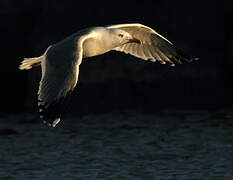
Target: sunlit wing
(152, 45)
(60, 72)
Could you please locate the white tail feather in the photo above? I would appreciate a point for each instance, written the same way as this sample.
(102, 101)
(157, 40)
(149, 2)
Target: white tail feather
(28, 63)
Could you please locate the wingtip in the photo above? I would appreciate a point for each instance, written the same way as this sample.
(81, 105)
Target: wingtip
(56, 121)
(172, 65)
(196, 58)
(48, 118)
(192, 59)
(53, 124)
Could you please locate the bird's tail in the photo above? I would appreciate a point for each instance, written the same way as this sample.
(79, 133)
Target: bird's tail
(29, 63)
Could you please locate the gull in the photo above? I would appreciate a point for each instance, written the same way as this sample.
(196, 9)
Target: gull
(60, 62)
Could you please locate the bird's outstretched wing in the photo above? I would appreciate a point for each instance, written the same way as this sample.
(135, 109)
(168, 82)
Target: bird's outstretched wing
(60, 71)
(152, 45)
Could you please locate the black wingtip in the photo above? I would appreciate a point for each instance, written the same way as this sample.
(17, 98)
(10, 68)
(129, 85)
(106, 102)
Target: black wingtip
(186, 57)
(51, 113)
(51, 123)
(191, 59)
(196, 58)
(179, 55)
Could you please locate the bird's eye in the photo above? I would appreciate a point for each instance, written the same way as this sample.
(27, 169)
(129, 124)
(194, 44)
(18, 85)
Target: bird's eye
(120, 35)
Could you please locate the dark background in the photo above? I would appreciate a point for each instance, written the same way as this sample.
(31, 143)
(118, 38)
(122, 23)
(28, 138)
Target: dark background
(116, 81)
(135, 131)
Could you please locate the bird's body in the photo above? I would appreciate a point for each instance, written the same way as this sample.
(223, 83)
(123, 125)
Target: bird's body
(60, 63)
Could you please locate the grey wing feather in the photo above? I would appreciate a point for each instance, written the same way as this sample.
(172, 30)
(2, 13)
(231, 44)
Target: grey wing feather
(153, 46)
(60, 71)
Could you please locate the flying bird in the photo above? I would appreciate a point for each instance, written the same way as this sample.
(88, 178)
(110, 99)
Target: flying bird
(60, 62)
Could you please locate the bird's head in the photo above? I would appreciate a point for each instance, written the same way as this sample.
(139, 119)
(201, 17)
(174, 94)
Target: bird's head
(120, 37)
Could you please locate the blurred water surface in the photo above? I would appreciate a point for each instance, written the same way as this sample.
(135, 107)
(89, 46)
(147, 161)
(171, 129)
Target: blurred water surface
(166, 145)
